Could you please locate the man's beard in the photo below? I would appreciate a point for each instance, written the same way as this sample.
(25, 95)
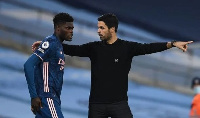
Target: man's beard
(107, 38)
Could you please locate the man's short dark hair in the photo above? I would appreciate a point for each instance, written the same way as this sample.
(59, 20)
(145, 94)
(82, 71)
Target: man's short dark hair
(62, 18)
(195, 81)
(110, 20)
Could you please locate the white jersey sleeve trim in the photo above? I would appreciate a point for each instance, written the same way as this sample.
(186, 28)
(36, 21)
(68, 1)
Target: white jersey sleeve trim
(38, 56)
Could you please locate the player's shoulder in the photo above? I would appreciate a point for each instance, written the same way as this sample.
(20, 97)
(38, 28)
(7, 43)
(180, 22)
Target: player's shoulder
(51, 38)
(49, 41)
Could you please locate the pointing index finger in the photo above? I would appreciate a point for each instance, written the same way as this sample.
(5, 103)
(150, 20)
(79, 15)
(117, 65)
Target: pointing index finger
(189, 42)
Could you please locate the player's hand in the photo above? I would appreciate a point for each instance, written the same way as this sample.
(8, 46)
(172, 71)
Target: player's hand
(182, 45)
(36, 45)
(34, 112)
(36, 104)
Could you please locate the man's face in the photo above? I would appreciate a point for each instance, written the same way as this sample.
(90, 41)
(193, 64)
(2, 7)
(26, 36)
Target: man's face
(103, 31)
(65, 31)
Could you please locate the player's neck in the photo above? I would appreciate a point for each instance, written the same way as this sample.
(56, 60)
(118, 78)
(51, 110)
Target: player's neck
(58, 38)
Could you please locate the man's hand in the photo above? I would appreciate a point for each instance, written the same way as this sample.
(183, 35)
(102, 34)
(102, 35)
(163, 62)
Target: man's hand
(182, 45)
(36, 45)
(179, 44)
(36, 104)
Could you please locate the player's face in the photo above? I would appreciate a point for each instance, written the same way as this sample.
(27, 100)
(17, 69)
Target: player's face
(103, 31)
(65, 31)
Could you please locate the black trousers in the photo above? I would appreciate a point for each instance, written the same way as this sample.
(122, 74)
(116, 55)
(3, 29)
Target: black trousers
(113, 110)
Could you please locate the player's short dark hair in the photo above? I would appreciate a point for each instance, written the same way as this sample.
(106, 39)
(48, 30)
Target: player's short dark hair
(110, 20)
(62, 18)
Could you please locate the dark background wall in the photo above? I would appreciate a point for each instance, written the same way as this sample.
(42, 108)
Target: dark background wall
(176, 19)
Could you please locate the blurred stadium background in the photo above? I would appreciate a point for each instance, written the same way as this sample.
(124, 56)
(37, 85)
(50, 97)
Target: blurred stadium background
(159, 84)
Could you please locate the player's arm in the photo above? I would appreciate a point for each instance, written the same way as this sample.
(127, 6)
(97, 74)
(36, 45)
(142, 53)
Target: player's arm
(44, 50)
(29, 65)
(41, 53)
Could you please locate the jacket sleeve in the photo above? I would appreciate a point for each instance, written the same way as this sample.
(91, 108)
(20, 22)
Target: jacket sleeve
(142, 49)
(77, 50)
(29, 74)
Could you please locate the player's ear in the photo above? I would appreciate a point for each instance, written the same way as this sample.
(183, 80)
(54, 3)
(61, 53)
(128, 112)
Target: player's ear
(57, 28)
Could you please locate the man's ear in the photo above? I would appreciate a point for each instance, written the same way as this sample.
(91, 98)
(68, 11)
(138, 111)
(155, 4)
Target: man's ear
(112, 29)
(57, 28)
